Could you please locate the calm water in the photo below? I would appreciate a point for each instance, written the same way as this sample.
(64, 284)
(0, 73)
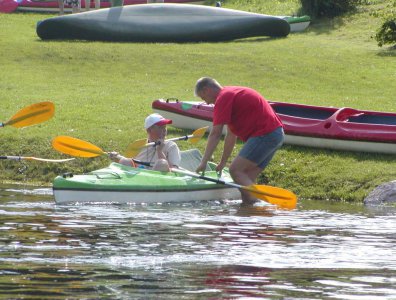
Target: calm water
(206, 250)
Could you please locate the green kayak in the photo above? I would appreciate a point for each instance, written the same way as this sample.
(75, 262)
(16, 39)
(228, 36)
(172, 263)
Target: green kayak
(122, 184)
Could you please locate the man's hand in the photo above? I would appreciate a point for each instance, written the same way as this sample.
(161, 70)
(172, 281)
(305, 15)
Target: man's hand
(114, 156)
(159, 145)
(201, 167)
(220, 167)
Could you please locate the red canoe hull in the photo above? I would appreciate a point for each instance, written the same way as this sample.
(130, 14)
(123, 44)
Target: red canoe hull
(52, 5)
(8, 6)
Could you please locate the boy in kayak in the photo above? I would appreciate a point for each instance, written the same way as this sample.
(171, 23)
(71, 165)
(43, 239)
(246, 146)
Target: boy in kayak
(163, 156)
(248, 116)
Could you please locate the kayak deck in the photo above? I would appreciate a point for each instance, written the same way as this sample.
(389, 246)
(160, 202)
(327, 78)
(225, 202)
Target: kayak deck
(117, 177)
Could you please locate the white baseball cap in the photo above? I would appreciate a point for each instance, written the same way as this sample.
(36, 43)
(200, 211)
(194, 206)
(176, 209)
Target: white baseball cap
(156, 119)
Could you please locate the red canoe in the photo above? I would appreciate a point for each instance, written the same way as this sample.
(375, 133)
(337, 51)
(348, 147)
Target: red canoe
(8, 6)
(305, 125)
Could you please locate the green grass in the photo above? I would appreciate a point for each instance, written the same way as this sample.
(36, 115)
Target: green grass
(103, 92)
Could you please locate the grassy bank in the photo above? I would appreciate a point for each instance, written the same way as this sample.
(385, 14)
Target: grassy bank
(103, 92)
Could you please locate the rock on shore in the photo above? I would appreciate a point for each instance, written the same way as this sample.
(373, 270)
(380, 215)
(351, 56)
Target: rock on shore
(382, 194)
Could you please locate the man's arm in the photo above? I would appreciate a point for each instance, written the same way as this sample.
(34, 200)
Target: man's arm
(213, 140)
(229, 144)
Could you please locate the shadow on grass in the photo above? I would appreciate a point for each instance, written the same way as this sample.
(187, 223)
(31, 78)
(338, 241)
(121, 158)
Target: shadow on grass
(240, 40)
(388, 52)
(325, 25)
(256, 39)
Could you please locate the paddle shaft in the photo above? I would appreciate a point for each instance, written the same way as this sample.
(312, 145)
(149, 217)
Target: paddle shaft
(11, 157)
(135, 147)
(192, 174)
(219, 181)
(143, 163)
(181, 138)
(188, 173)
(19, 158)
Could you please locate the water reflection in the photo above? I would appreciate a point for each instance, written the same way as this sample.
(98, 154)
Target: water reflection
(204, 250)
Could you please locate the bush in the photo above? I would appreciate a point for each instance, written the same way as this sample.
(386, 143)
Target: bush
(386, 34)
(327, 8)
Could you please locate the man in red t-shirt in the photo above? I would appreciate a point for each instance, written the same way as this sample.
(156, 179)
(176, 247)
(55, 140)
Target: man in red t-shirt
(248, 116)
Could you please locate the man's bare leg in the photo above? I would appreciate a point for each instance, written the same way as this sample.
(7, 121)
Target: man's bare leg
(245, 172)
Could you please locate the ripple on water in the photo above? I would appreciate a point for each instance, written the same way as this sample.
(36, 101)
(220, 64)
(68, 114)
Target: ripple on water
(33, 191)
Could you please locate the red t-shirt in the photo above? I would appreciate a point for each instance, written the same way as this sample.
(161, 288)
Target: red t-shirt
(245, 111)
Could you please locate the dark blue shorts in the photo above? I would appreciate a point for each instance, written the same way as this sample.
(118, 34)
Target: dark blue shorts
(261, 149)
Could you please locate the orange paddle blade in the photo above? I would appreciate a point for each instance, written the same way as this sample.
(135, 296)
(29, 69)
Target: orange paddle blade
(76, 147)
(274, 195)
(32, 114)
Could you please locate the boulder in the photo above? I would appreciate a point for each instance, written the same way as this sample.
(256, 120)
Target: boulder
(382, 194)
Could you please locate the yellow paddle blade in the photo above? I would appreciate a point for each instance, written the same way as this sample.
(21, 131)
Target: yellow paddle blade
(198, 134)
(76, 147)
(134, 148)
(32, 114)
(274, 195)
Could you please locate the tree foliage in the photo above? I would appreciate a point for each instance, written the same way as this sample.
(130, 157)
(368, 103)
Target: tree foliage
(327, 8)
(386, 33)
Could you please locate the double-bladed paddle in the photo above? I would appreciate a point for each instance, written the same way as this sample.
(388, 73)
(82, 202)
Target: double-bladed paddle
(31, 115)
(35, 158)
(135, 147)
(274, 195)
(79, 148)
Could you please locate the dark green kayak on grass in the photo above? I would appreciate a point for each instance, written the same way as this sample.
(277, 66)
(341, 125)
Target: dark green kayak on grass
(162, 23)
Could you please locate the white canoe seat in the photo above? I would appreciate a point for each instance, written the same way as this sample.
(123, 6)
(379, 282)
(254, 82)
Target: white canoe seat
(190, 160)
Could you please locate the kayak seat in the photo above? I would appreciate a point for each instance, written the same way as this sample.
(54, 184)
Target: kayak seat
(190, 160)
(302, 112)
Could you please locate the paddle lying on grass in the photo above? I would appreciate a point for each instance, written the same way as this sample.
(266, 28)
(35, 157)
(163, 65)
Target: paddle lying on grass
(274, 195)
(31, 115)
(35, 158)
(135, 147)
